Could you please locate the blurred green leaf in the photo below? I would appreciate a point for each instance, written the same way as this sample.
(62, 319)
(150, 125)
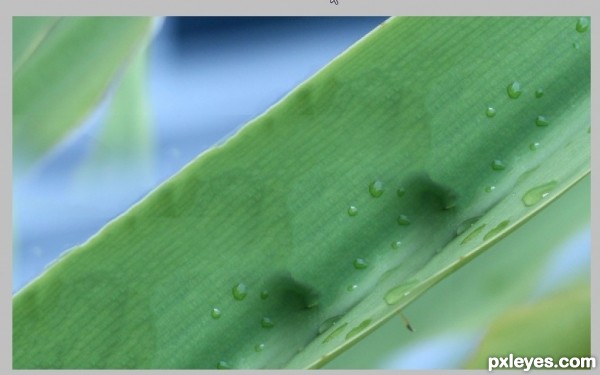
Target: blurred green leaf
(28, 34)
(558, 326)
(62, 69)
(251, 257)
(124, 149)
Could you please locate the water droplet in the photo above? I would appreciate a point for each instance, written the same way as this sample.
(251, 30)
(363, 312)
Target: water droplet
(403, 220)
(400, 192)
(240, 291)
(259, 347)
(267, 323)
(376, 189)
(264, 294)
(575, 45)
(542, 121)
(352, 211)
(514, 90)
(336, 332)
(489, 189)
(358, 329)
(490, 112)
(534, 146)
(538, 193)
(328, 323)
(493, 232)
(396, 244)
(352, 287)
(215, 313)
(539, 93)
(498, 165)
(222, 365)
(466, 225)
(396, 294)
(360, 264)
(473, 234)
(583, 25)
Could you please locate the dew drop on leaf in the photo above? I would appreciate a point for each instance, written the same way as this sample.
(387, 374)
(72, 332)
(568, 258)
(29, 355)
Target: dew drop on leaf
(538, 193)
(403, 220)
(473, 234)
(583, 25)
(360, 264)
(396, 294)
(264, 294)
(267, 323)
(534, 146)
(215, 313)
(376, 189)
(259, 347)
(493, 232)
(358, 329)
(542, 121)
(514, 90)
(490, 112)
(498, 165)
(328, 323)
(539, 93)
(336, 332)
(352, 211)
(466, 225)
(240, 291)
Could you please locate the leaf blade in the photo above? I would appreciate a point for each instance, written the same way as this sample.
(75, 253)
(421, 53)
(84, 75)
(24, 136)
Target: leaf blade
(278, 192)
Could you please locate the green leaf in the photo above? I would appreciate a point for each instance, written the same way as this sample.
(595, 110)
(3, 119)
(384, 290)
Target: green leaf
(61, 70)
(397, 127)
(544, 329)
(466, 303)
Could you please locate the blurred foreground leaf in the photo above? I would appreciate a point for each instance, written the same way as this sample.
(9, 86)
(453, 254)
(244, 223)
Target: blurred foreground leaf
(558, 326)
(123, 152)
(405, 157)
(28, 34)
(61, 69)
